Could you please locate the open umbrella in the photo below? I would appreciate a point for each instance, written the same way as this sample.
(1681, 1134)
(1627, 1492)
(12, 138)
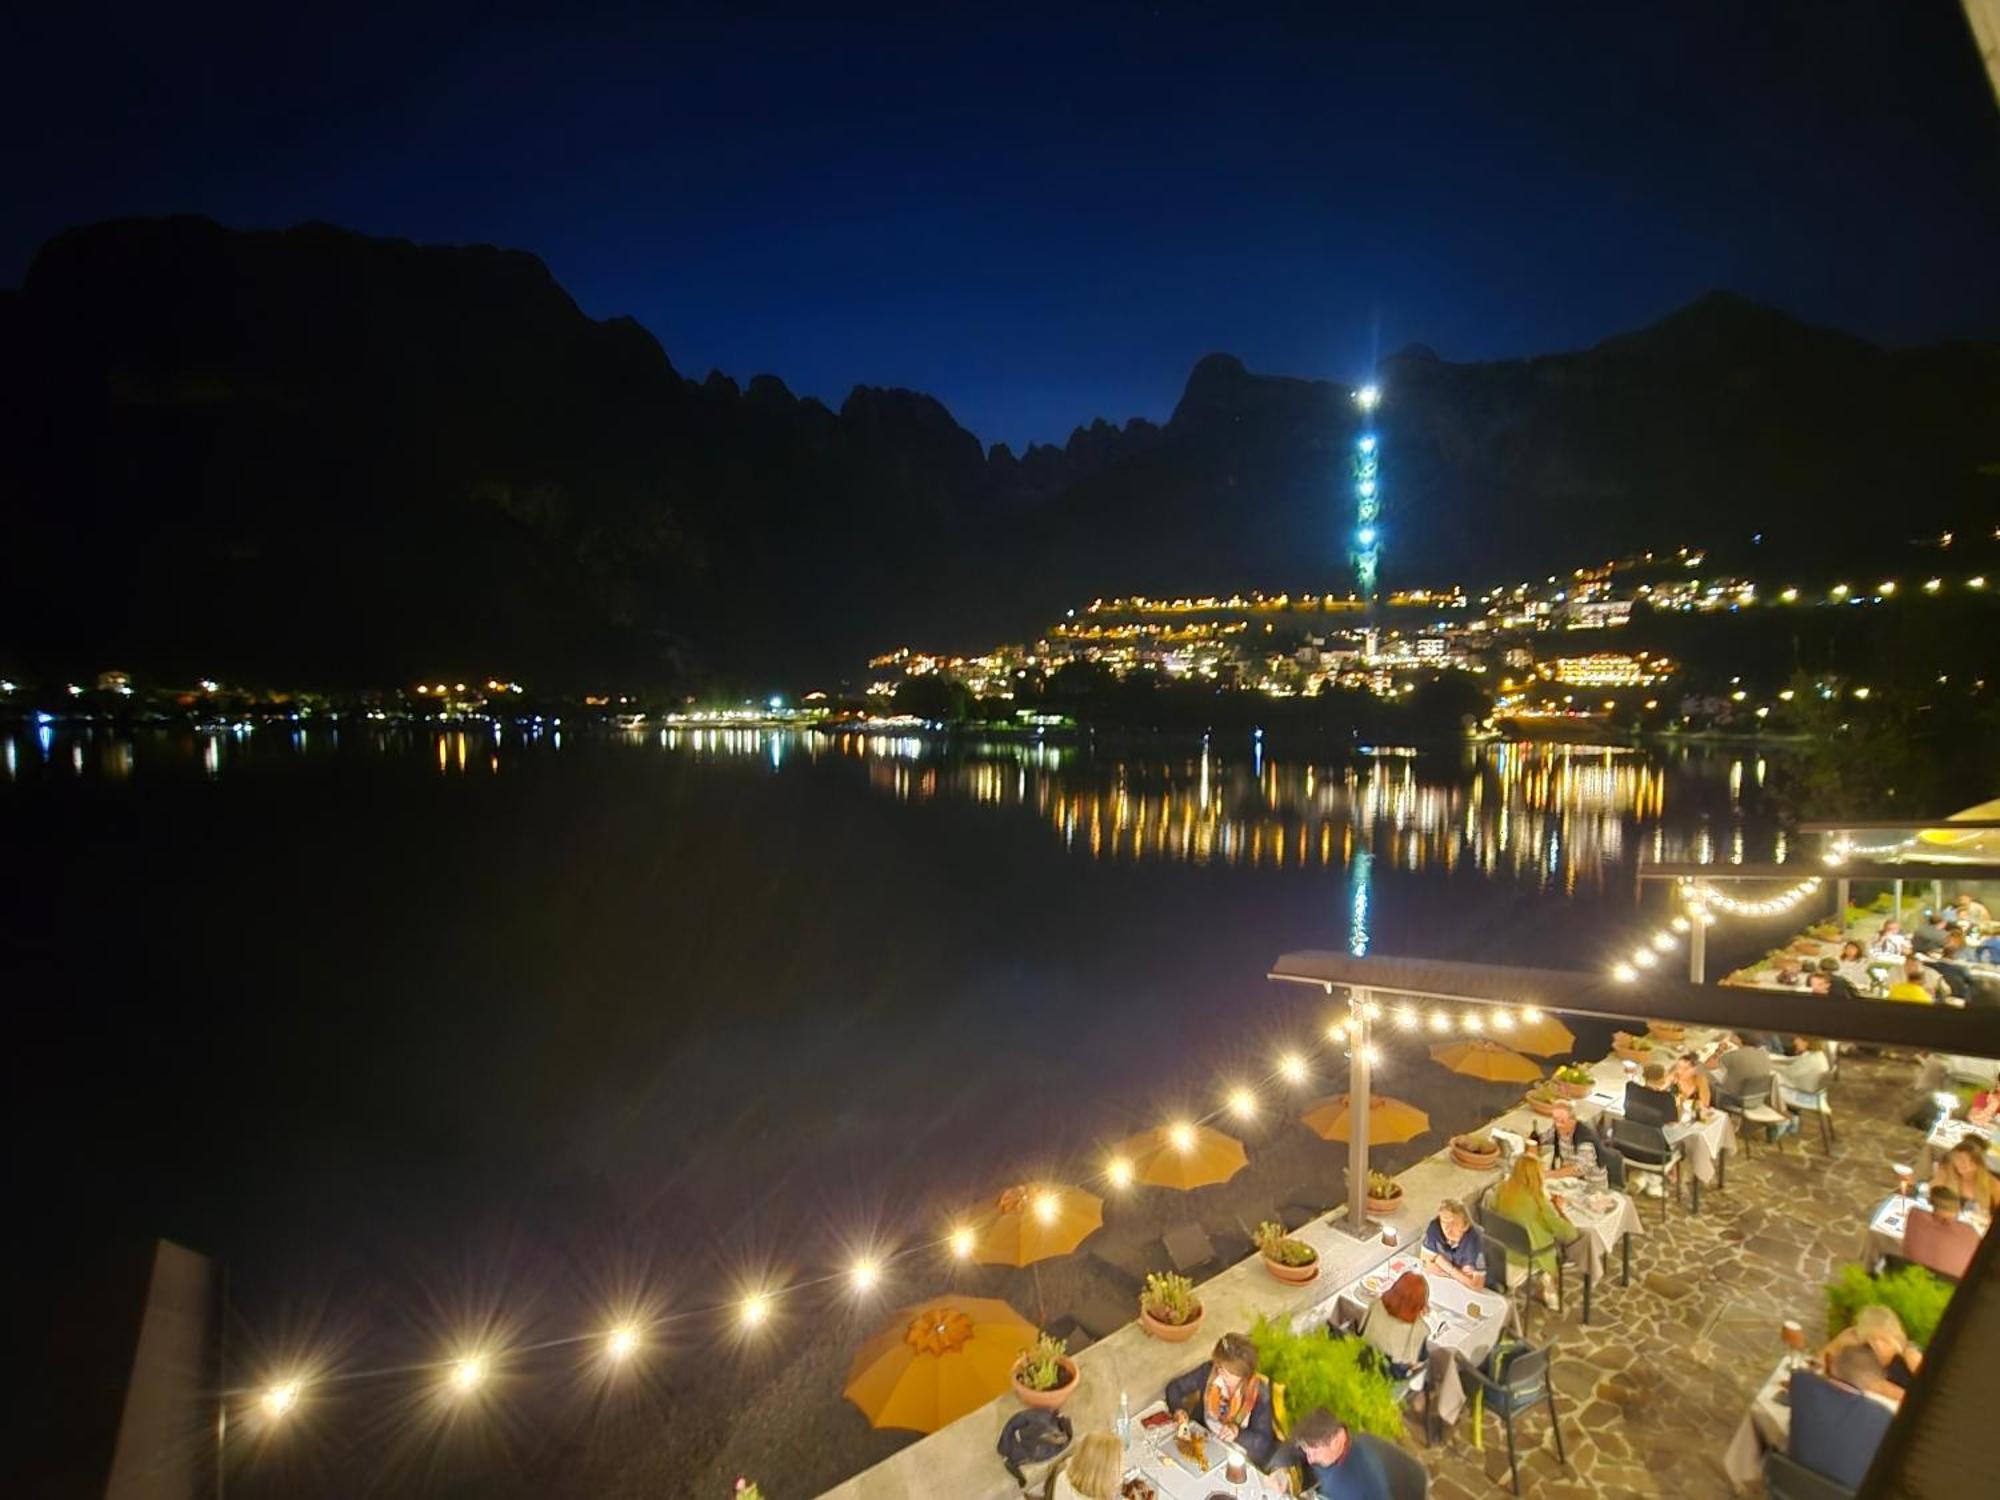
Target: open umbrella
(1034, 1221)
(1389, 1120)
(1544, 1036)
(1481, 1058)
(1183, 1156)
(936, 1361)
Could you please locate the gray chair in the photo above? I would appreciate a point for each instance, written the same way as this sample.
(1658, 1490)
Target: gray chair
(1752, 1109)
(1517, 1259)
(1786, 1478)
(1523, 1383)
(1648, 1153)
(1406, 1476)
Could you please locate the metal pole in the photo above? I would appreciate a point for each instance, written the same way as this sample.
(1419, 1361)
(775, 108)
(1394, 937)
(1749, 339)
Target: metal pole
(1357, 1112)
(1840, 905)
(1698, 948)
(1937, 895)
(1897, 911)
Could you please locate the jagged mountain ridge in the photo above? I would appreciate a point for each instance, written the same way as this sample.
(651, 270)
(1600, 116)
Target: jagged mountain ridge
(319, 454)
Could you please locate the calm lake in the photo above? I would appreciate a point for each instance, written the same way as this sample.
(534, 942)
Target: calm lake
(437, 1037)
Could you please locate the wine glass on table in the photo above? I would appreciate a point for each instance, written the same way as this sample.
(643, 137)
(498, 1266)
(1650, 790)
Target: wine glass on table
(1905, 1177)
(1794, 1335)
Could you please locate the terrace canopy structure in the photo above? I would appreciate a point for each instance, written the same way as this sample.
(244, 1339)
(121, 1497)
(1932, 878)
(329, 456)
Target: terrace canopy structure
(1933, 1452)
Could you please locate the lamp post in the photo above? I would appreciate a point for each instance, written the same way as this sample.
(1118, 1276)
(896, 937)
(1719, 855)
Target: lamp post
(1357, 1113)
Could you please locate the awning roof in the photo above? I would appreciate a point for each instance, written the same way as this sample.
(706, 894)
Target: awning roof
(1652, 996)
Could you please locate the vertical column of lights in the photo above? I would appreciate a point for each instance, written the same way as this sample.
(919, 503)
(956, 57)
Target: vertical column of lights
(1367, 496)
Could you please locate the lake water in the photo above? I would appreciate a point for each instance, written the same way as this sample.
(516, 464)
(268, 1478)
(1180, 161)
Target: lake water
(443, 1036)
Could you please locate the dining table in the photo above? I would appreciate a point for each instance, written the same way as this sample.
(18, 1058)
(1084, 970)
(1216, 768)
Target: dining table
(1608, 1220)
(1766, 1425)
(1151, 1455)
(1704, 1142)
(1947, 1132)
(1883, 1234)
(1459, 1321)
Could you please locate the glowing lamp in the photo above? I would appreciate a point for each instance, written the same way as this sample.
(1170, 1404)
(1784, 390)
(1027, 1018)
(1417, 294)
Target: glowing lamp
(1180, 1135)
(754, 1310)
(1046, 1207)
(622, 1342)
(1531, 1014)
(1664, 941)
(865, 1275)
(1624, 973)
(1242, 1103)
(962, 1241)
(1292, 1068)
(467, 1374)
(1368, 397)
(1119, 1172)
(280, 1398)
(1407, 1018)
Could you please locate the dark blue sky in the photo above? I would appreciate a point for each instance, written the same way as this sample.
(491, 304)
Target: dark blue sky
(1046, 216)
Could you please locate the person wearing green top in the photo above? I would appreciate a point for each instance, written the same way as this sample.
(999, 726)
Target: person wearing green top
(1523, 1199)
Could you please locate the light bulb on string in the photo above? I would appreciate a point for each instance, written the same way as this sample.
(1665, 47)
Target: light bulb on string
(1242, 1103)
(1292, 1068)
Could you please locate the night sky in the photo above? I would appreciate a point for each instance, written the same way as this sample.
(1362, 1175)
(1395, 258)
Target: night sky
(1045, 216)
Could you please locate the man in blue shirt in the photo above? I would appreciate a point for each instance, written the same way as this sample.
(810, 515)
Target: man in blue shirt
(1452, 1246)
(1334, 1465)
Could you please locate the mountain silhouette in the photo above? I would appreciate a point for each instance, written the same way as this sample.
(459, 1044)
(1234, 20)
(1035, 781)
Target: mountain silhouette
(322, 456)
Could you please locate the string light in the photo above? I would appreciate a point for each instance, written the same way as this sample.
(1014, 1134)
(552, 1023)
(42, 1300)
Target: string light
(1624, 973)
(1644, 958)
(1680, 924)
(467, 1374)
(755, 1309)
(1406, 1018)
(1664, 941)
(1503, 1020)
(622, 1342)
(1292, 1068)
(1374, 1056)
(1119, 1172)
(1700, 898)
(866, 1273)
(1440, 1021)
(280, 1398)
(1472, 1021)
(1242, 1103)
(1337, 1032)
(963, 1241)
(1046, 1206)
(1180, 1135)
(1530, 1014)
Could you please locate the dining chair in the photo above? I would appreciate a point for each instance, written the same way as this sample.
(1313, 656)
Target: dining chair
(1785, 1478)
(1406, 1476)
(1817, 1103)
(1751, 1108)
(1523, 1383)
(1648, 1153)
(1515, 1262)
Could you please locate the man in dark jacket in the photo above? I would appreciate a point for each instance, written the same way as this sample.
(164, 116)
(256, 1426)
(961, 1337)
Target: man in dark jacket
(1228, 1397)
(1334, 1465)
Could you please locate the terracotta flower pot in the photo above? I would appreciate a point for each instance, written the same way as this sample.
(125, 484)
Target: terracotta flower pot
(1048, 1400)
(1477, 1160)
(1294, 1275)
(1384, 1207)
(1667, 1031)
(1171, 1333)
(1540, 1105)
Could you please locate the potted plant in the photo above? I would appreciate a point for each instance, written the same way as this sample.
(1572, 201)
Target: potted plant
(1045, 1375)
(1573, 1081)
(1385, 1194)
(1916, 1297)
(1673, 1033)
(1542, 1098)
(1637, 1049)
(1480, 1152)
(1342, 1374)
(1286, 1258)
(747, 1489)
(1168, 1307)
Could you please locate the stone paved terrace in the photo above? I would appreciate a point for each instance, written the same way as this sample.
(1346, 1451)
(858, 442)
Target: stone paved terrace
(1651, 1391)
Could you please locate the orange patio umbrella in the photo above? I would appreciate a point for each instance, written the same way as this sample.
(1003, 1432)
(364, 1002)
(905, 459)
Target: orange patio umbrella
(1481, 1058)
(1183, 1156)
(1035, 1220)
(936, 1361)
(1544, 1036)
(1389, 1120)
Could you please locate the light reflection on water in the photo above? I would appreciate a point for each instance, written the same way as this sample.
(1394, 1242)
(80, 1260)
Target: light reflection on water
(1557, 816)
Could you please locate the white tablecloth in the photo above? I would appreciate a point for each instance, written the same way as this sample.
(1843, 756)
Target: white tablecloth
(1149, 1455)
(1604, 1217)
(1884, 1234)
(1454, 1326)
(1702, 1142)
(1767, 1425)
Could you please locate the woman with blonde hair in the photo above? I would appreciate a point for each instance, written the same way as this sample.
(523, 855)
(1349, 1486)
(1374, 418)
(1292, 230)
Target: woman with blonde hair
(1523, 1199)
(1878, 1330)
(1963, 1170)
(1092, 1472)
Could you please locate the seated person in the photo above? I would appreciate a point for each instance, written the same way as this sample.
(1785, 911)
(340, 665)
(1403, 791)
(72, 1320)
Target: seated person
(1092, 1471)
(1523, 1199)
(1936, 1237)
(1928, 934)
(1852, 963)
(1688, 1084)
(1332, 1464)
(1569, 1140)
(1394, 1326)
(1878, 1333)
(1984, 1108)
(1806, 1069)
(1789, 972)
(1836, 1427)
(1963, 1170)
(1969, 913)
(1647, 1098)
(1890, 941)
(1736, 1067)
(1907, 991)
(1452, 1246)
(1228, 1397)
(1922, 975)
(1829, 981)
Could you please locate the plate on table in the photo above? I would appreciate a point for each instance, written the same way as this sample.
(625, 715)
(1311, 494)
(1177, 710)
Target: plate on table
(1212, 1454)
(1375, 1283)
(1137, 1487)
